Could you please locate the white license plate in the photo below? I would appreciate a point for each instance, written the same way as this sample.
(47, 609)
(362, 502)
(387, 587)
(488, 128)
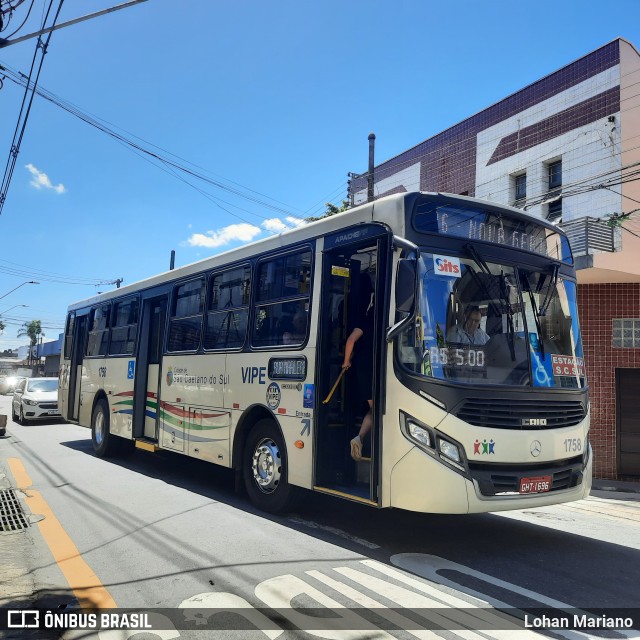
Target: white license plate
(54, 412)
(535, 485)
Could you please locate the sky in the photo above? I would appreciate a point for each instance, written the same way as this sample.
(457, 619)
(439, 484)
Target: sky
(270, 101)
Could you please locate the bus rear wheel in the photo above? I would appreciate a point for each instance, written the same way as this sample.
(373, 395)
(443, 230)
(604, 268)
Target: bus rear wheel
(105, 444)
(265, 469)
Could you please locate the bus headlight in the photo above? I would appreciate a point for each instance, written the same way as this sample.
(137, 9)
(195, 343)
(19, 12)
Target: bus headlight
(419, 434)
(440, 447)
(449, 450)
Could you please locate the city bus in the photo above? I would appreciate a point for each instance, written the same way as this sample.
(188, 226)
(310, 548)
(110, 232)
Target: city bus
(238, 360)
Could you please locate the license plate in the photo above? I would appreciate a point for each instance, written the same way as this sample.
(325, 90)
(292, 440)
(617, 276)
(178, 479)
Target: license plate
(54, 412)
(535, 485)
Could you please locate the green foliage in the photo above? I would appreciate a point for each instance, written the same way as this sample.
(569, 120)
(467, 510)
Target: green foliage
(33, 330)
(331, 210)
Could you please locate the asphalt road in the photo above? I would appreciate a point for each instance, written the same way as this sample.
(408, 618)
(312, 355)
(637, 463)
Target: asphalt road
(162, 531)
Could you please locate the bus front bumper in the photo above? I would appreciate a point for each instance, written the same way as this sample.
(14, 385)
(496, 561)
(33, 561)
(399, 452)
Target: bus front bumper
(420, 483)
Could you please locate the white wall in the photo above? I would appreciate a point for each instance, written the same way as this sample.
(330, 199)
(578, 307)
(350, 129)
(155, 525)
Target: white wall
(587, 153)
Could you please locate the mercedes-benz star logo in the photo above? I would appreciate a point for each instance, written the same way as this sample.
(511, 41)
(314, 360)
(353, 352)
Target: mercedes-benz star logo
(536, 448)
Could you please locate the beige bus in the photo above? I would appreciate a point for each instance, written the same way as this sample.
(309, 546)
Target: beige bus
(474, 367)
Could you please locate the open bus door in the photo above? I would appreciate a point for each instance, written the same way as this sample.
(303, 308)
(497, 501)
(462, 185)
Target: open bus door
(345, 274)
(70, 408)
(147, 403)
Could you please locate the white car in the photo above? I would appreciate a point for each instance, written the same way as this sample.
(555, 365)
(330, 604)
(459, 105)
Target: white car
(35, 399)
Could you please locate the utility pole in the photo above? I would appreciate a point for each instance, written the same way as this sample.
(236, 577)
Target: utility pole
(372, 144)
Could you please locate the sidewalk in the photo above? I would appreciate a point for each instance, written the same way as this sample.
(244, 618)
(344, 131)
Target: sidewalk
(624, 486)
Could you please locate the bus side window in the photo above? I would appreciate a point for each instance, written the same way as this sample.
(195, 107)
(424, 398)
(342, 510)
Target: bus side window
(283, 291)
(99, 331)
(186, 316)
(69, 334)
(124, 327)
(228, 313)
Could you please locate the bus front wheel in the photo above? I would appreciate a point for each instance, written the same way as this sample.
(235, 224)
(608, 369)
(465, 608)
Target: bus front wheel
(104, 444)
(265, 469)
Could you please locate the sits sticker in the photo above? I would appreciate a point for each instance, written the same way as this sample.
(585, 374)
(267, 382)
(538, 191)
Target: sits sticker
(446, 266)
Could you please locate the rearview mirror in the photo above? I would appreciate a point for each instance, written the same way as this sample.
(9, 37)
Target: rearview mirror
(406, 285)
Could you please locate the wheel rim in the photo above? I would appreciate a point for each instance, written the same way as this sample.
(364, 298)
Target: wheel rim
(21, 415)
(98, 428)
(266, 465)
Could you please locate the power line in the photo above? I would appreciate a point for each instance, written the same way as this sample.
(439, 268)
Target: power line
(161, 155)
(23, 117)
(62, 25)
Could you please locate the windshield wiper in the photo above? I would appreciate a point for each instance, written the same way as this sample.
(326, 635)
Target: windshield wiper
(484, 268)
(536, 313)
(553, 285)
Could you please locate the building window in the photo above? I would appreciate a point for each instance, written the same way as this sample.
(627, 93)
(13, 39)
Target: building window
(626, 333)
(555, 175)
(554, 179)
(520, 183)
(554, 211)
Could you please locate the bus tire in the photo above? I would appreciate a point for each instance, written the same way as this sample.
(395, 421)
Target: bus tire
(105, 444)
(265, 469)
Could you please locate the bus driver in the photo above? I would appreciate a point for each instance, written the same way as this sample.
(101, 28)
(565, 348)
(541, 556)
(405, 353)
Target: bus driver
(469, 332)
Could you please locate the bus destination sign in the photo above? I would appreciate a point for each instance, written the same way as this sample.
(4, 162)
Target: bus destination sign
(476, 223)
(288, 368)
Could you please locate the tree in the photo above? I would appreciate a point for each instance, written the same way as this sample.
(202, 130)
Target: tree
(1, 325)
(331, 210)
(33, 330)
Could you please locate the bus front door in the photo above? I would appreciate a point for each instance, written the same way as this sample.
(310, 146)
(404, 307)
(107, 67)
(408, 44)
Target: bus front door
(350, 278)
(149, 369)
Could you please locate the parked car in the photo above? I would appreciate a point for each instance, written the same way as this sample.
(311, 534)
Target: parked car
(35, 399)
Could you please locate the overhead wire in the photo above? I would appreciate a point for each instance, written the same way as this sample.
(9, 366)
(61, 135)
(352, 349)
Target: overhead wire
(161, 155)
(17, 137)
(13, 8)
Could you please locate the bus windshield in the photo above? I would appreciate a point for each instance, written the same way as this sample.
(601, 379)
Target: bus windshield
(486, 323)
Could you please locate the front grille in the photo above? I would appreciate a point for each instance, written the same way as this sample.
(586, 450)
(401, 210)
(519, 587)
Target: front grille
(12, 517)
(519, 414)
(498, 479)
(48, 405)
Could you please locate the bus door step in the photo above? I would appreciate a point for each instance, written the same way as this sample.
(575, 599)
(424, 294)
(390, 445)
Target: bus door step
(147, 444)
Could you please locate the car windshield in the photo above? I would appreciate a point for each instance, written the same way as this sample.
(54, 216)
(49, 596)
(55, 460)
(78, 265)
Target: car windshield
(482, 322)
(42, 385)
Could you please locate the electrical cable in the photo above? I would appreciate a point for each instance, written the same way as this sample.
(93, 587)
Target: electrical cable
(100, 124)
(23, 22)
(15, 147)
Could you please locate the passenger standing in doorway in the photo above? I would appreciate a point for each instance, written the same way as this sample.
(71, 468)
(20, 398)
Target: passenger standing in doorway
(359, 347)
